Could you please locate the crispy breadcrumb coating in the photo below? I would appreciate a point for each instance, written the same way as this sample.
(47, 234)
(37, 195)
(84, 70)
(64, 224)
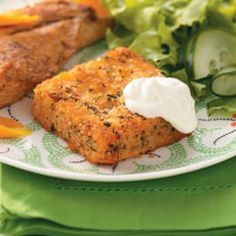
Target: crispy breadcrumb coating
(85, 107)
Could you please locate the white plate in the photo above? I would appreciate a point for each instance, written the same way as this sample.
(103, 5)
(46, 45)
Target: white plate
(214, 141)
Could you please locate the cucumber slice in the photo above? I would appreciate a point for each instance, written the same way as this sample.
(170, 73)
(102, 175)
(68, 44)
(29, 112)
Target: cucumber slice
(224, 83)
(214, 49)
(189, 57)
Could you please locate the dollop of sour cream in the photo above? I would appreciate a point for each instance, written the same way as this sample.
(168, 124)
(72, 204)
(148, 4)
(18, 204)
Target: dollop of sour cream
(168, 98)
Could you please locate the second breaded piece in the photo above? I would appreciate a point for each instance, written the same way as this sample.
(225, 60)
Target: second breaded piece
(47, 11)
(86, 108)
(31, 56)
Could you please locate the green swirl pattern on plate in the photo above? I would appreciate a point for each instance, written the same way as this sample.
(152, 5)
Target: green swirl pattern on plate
(31, 153)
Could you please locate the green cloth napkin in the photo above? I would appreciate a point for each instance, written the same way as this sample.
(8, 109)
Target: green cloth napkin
(199, 203)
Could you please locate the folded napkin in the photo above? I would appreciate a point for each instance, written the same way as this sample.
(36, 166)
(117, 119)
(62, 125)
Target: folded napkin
(199, 203)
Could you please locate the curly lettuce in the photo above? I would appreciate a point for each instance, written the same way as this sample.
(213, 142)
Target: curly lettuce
(160, 30)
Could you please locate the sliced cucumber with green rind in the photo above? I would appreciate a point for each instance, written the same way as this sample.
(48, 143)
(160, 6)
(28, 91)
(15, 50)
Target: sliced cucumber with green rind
(224, 83)
(189, 57)
(214, 49)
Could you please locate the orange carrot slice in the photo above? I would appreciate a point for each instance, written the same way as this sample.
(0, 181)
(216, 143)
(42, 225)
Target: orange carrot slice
(11, 129)
(16, 18)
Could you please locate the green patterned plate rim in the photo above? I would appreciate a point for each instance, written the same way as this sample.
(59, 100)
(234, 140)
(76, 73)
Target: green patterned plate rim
(213, 142)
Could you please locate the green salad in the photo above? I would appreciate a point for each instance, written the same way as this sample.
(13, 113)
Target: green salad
(192, 40)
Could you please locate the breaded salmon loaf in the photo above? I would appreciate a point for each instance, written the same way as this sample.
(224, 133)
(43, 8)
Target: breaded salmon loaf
(85, 106)
(32, 53)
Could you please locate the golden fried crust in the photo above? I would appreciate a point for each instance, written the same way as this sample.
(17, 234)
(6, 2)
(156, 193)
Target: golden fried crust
(30, 57)
(49, 11)
(86, 108)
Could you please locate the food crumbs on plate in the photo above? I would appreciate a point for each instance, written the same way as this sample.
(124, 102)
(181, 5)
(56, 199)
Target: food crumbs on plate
(11, 129)
(16, 18)
(97, 6)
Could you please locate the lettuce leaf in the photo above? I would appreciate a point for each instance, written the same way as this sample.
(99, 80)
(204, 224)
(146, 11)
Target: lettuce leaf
(160, 31)
(154, 26)
(223, 105)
